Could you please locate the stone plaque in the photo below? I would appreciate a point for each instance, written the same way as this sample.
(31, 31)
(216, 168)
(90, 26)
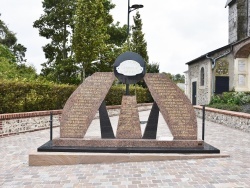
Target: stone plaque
(242, 80)
(129, 122)
(242, 66)
(81, 107)
(174, 106)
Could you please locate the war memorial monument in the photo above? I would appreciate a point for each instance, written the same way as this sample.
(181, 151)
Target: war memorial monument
(89, 98)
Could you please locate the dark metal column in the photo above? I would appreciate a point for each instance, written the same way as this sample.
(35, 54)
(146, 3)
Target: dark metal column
(127, 89)
(152, 124)
(105, 124)
(127, 85)
(51, 125)
(203, 122)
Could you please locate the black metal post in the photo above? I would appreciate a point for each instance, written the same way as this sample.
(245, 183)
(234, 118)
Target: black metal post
(128, 20)
(51, 125)
(127, 85)
(130, 9)
(203, 122)
(127, 89)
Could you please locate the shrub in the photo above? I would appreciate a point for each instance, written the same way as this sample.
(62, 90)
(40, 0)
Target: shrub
(114, 96)
(23, 96)
(230, 107)
(233, 101)
(236, 98)
(216, 99)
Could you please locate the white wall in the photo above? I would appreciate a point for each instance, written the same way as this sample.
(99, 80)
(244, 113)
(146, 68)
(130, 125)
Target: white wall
(241, 74)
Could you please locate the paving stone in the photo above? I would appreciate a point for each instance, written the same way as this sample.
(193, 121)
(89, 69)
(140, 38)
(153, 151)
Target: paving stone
(207, 173)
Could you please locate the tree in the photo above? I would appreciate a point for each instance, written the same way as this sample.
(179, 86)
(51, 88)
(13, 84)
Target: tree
(169, 75)
(6, 54)
(118, 34)
(138, 43)
(177, 78)
(9, 39)
(12, 55)
(57, 25)
(114, 47)
(90, 33)
(153, 68)
(9, 69)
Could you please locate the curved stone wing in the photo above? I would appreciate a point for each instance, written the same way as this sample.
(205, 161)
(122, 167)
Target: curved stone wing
(174, 105)
(83, 104)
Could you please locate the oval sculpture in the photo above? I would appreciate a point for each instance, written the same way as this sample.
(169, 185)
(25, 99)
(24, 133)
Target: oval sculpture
(129, 68)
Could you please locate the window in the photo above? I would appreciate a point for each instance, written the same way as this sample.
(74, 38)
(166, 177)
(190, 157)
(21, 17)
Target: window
(202, 77)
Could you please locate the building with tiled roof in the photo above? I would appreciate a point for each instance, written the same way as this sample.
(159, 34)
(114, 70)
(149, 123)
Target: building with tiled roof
(227, 68)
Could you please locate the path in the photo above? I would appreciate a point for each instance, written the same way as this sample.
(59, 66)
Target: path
(202, 173)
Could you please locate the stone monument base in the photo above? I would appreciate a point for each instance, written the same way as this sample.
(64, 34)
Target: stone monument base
(127, 146)
(127, 143)
(74, 158)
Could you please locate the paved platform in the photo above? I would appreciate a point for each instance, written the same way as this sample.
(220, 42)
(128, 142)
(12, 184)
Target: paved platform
(210, 172)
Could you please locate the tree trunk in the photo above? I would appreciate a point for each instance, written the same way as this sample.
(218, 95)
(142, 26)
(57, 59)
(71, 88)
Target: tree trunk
(83, 73)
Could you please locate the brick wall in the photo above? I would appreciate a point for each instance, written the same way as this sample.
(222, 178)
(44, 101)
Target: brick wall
(236, 120)
(11, 124)
(15, 123)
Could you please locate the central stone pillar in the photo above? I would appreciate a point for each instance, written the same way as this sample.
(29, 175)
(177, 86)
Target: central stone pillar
(129, 122)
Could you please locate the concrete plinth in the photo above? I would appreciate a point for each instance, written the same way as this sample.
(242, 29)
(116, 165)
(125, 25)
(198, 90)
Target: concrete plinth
(68, 158)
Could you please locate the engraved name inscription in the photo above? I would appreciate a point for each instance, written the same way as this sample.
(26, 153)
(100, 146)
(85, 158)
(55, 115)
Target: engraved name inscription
(129, 122)
(174, 106)
(83, 104)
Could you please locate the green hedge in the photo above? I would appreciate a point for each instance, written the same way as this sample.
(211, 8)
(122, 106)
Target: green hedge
(236, 98)
(230, 107)
(21, 96)
(233, 101)
(114, 97)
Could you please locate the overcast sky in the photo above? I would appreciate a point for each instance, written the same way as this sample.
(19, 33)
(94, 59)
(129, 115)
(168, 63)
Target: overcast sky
(176, 31)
